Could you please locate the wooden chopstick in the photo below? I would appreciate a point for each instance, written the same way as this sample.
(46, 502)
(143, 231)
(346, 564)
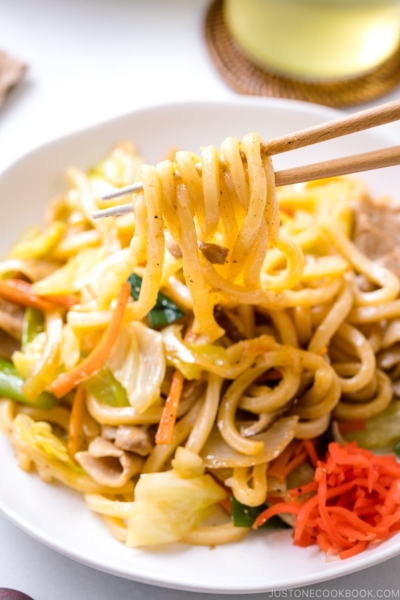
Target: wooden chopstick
(359, 121)
(377, 159)
(367, 161)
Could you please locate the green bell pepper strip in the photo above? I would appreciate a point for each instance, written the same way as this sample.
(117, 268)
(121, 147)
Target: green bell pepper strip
(33, 324)
(106, 388)
(244, 516)
(11, 387)
(165, 310)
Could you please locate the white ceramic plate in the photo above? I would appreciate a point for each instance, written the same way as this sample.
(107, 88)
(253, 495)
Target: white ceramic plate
(58, 516)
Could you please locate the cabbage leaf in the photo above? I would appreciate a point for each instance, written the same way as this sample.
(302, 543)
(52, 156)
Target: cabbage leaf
(70, 348)
(25, 361)
(106, 389)
(38, 245)
(192, 359)
(39, 435)
(168, 505)
(380, 431)
(68, 355)
(178, 354)
(73, 276)
(137, 361)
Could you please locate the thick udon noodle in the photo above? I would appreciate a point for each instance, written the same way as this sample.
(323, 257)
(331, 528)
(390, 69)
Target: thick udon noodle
(289, 285)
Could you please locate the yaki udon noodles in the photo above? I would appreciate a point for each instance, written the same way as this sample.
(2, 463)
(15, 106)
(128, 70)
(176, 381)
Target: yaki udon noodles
(205, 353)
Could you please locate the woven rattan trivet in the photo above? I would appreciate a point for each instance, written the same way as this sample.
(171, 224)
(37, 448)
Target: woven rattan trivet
(248, 78)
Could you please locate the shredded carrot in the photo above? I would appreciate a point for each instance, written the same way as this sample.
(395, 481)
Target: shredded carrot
(356, 500)
(226, 505)
(306, 539)
(311, 452)
(291, 457)
(168, 418)
(327, 524)
(323, 541)
(166, 426)
(304, 515)
(295, 462)
(277, 509)
(92, 363)
(304, 489)
(350, 426)
(67, 301)
(356, 549)
(21, 292)
(277, 466)
(75, 422)
(274, 499)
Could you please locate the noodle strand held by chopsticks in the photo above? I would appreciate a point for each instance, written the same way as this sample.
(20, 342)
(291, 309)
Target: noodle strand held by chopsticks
(255, 204)
(202, 306)
(155, 245)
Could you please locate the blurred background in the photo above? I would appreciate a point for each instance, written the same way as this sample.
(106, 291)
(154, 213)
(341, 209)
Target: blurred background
(91, 60)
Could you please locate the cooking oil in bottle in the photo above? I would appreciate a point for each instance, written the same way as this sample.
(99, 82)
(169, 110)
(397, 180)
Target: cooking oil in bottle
(318, 40)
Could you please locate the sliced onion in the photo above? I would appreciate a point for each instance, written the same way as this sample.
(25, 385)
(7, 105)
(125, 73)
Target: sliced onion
(128, 415)
(217, 454)
(33, 269)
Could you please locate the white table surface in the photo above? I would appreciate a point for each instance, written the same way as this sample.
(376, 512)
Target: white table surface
(90, 60)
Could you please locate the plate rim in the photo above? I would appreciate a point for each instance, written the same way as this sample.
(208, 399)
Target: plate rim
(309, 107)
(171, 583)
